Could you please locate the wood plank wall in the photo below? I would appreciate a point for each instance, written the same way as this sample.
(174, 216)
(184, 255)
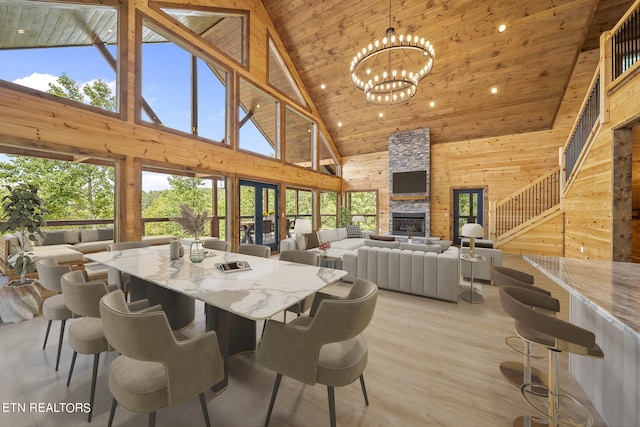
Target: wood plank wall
(30, 120)
(502, 164)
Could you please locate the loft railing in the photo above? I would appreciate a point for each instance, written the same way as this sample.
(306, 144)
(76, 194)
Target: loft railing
(528, 203)
(583, 128)
(625, 44)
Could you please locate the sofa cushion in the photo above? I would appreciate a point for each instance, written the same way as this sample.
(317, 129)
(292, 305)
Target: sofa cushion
(421, 247)
(54, 238)
(342, 233)
(312, 240)
(94, 246)
(347, 244)
(353, 232)
(328, 235)
(89, 235)
(381, 243)
(105, 233)
(72, 236)
(382, 238)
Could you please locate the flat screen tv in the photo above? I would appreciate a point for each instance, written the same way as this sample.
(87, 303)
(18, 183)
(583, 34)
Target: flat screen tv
(409, 182)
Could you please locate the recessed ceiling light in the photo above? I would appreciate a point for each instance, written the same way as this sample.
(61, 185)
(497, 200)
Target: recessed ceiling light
(339, 124)
(323, 86)
(502, 28)
(381, 114)
(494, 90)
(20, 31)
(432, 104)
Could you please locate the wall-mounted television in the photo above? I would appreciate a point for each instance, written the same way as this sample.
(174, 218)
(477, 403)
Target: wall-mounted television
(409, 182)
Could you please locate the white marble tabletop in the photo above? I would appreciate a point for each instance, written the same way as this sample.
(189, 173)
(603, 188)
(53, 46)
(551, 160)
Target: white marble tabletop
(267, 289)
(612, 289)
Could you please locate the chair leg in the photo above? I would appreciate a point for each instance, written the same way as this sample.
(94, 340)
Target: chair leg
(112, 413)
(152, 419)
(46, 335)
(332, 406)
(64, 321)
(364, 390)
(205, 411)
(73, 363)
(94, 377)
(276, 385)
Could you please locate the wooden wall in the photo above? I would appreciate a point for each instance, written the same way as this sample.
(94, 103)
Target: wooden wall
(501, 164)
(31, 120)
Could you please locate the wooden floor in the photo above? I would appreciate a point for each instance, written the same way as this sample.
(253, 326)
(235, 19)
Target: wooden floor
(431, 363)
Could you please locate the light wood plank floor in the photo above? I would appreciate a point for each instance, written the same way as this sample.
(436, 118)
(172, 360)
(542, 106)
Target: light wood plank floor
(431, 363)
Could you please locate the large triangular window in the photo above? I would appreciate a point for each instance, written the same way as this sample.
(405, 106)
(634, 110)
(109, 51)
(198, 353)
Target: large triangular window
(281, 78)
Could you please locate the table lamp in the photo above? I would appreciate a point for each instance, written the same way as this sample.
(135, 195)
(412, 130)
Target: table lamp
(357, 219)
(472, 230)
(302, 227)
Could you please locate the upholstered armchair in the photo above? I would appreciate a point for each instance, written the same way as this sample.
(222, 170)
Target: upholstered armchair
(218, 245)
(86, 334)
(325, 347)
(169, 367)
(301, 257)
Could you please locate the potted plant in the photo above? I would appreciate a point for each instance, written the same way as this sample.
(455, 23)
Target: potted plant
(193, 224)
(23, 212)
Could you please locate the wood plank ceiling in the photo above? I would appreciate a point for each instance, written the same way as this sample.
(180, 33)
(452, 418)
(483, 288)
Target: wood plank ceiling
(530, 63)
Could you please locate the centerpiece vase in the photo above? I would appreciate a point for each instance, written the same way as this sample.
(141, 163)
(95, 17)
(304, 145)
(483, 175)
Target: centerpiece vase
(196, 251)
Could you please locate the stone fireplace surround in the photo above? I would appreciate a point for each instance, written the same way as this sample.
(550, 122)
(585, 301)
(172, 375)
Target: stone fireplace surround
(401, 221)
(410, 151)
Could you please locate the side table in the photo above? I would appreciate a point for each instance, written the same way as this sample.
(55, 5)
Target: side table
(471, 295)
(331, 262)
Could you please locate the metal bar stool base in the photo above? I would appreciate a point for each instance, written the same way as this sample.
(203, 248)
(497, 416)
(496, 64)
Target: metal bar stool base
(529, 421)
(514, 373)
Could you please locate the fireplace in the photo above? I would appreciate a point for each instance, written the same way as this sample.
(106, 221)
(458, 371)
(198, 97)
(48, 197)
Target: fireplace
(401, 222)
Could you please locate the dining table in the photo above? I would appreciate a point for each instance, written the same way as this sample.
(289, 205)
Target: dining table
(233, 301)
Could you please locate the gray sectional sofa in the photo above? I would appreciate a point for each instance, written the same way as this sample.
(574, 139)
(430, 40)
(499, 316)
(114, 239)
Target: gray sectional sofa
(415, 269)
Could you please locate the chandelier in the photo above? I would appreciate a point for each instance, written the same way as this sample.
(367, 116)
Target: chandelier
(388, 70)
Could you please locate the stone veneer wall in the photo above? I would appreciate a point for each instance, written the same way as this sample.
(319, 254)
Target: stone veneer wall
(411, 151)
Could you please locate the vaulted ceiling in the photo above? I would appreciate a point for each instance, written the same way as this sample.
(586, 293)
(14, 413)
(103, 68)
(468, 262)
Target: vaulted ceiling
(530, 63)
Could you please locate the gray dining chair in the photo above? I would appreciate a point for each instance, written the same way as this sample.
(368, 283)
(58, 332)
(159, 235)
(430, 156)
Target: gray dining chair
(86, 334)
(301, 257)
(218, 245)
(325, 347)
(169, 367)
(53, 307)
(115, 276)
(255, 250)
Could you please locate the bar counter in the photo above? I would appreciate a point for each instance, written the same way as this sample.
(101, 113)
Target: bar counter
(605, 299)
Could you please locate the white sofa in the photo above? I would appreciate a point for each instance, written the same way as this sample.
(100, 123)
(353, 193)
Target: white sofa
(427, 273)
(337, 237)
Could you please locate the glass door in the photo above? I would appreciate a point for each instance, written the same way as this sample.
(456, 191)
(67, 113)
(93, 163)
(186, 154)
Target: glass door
(259, 214)
(467, 207)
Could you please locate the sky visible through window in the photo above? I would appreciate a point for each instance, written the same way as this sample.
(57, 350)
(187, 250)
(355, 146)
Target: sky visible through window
(36, 68)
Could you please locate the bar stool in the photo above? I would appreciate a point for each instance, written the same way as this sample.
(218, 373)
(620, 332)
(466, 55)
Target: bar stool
(557, 336)
(518, 373)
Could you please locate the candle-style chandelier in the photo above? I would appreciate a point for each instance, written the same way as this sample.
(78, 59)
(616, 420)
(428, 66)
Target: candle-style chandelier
(388, 70)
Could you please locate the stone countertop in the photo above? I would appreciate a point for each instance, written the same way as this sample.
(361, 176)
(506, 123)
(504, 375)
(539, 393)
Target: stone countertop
(268, 288)
(611, 289)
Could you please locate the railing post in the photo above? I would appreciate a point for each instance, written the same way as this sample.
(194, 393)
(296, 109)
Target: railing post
(492, 220)
(606, 74)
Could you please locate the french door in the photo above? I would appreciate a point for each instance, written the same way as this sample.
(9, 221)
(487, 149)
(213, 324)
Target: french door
(467, 207)
(259, 214)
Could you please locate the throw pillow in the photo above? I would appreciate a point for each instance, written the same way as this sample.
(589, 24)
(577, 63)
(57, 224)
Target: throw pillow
(353, 232)
(90, 235)
(54, 238)
(105, 233)
(312, 240)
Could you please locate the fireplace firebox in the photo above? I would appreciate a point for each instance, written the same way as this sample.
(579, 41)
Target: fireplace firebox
(403, 222)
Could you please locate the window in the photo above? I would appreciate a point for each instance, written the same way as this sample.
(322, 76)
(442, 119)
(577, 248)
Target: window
(328, 209)
(364, 203)
(189, 96)
(226, 31)
(258, 121)
(300, 138)
(50, 40)
(299, 204)
(164, 191)
(327, 162)
(281, 78)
